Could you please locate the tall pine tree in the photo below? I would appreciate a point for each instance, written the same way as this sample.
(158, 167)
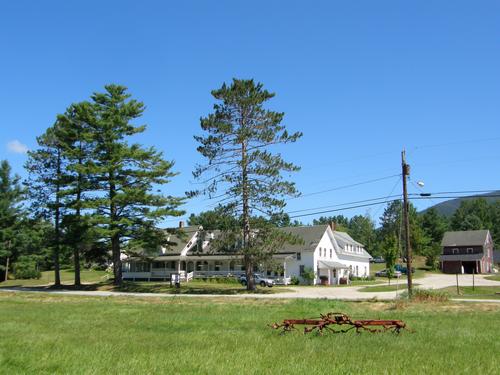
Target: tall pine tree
(125, 175)
(10, 215)
(45, 183)
(241, 171)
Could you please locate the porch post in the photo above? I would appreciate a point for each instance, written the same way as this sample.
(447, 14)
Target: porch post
(329, 276)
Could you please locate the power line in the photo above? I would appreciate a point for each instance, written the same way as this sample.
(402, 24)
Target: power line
(345, 204)
(346, 186)
(389, 201)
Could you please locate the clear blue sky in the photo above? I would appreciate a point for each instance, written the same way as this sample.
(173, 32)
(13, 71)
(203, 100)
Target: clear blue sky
(361, 79)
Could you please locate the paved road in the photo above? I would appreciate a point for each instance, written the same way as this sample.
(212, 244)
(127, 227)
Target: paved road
(434, 281)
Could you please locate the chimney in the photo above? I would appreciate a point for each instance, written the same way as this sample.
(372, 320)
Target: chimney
(333, 226)
(181, 224)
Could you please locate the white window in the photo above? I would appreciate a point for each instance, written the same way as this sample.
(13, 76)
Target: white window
(331, 253)
(455, 250)
(299, 256)
(324, 252)
(357, 271)
(320, 251)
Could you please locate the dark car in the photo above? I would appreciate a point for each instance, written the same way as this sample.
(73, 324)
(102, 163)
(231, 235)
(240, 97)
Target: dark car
(377, 260)
(403, 269)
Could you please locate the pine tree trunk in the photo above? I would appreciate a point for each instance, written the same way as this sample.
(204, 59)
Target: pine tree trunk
(247, 260)
(76, 250)
(57, 229)
(117, 263)
(76, 256)
(115, 237)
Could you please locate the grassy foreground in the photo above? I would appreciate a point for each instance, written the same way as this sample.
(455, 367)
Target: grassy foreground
(48, 334)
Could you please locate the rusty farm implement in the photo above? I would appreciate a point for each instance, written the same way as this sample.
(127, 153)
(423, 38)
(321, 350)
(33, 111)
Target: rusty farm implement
(340, 323)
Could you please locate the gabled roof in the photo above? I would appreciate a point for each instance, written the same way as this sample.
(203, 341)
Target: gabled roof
(177, 242)
(311, 235)
(342, 239)
(465, 238)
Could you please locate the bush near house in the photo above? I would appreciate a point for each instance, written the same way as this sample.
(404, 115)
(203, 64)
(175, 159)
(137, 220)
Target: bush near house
(26, 268)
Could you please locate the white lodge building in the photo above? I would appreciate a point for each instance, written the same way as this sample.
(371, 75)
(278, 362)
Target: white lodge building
(332, 255)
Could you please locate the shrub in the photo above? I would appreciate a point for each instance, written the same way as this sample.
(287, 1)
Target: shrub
(361, 278)
(308, 275)
(427, 295)
(26, 268)
(294, 280)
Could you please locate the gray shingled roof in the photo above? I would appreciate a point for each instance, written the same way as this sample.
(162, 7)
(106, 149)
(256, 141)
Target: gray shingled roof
(465, 238)
(311, 235)
(178, 242)
(342, 239)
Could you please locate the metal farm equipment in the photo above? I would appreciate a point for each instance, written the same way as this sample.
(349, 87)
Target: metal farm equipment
(334, 322)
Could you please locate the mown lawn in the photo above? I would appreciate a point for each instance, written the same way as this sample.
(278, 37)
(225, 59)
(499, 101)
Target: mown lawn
(479, 292)
(493, 277)
(48, 334)
(402, 286)
(67, 278)
(97, 280)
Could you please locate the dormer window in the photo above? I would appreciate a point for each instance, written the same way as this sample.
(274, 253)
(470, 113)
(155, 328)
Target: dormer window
(470, 250)
(454, 250)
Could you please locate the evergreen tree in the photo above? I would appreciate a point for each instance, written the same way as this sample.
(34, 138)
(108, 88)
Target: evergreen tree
(392, 225)
(237, 141)
(125, 175)
(78, 143)
(472, 214)
(10, 215)
(45, 183)
(434, 226)
(362, 229)
(341, 222)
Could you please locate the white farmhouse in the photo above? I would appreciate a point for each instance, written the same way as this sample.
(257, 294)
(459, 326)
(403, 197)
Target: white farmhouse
(332, 255)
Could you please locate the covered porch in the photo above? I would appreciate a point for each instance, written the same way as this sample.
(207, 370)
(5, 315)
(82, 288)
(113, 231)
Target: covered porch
(162, 269)
(332, 273)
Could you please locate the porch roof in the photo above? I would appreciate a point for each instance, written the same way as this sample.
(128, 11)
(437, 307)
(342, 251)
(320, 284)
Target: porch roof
(331, 265)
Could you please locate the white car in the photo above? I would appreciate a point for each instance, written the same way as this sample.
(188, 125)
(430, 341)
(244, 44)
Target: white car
(258, 279)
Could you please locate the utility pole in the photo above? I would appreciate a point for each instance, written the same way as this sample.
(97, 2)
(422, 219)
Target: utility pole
(406, 173)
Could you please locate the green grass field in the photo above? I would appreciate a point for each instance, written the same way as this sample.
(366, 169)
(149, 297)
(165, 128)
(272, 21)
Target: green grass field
(386, 288)
(479, 292)
(97, 280)
(49, 334)
(67, 278)
(494, 277)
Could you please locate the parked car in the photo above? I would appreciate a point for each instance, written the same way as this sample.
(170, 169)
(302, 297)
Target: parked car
(383, 273)
(377, 260)
(259, 279)
(401, 268)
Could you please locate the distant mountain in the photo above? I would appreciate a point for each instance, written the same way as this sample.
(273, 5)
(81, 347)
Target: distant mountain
(448, 208)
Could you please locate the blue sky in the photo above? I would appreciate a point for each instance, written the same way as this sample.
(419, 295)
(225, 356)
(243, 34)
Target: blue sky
(360, 79)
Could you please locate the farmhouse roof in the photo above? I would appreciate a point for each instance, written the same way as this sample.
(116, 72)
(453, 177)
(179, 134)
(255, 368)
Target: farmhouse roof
(465, 238)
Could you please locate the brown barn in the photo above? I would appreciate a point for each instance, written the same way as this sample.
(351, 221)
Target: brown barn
(468, 251)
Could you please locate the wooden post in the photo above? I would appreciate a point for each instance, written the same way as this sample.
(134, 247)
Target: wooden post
(405, 173)
(473, 277)
(458, 290)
